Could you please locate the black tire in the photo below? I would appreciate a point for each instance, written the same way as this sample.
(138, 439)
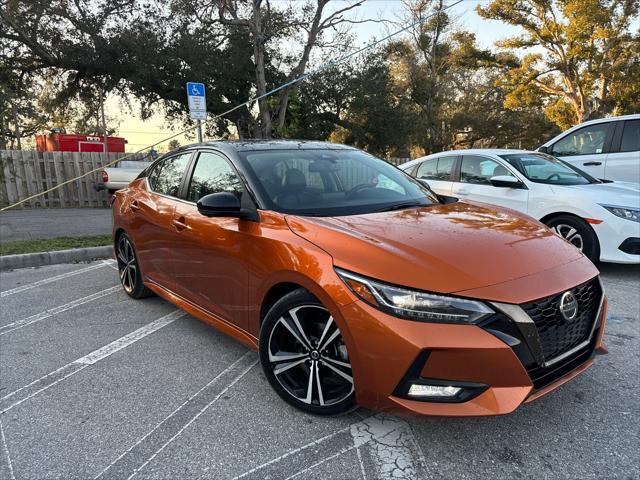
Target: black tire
(577, 232)
(129, 270)
(295, 327)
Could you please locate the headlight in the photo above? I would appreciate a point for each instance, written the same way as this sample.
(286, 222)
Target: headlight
(628, 213)
(415, 305)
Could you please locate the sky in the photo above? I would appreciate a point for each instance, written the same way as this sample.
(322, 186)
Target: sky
(140, 134)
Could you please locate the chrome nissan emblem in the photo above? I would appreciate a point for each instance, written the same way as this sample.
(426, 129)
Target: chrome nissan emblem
(569, 306)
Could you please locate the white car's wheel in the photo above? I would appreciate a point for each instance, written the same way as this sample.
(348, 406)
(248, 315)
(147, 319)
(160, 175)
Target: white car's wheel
(578, 233)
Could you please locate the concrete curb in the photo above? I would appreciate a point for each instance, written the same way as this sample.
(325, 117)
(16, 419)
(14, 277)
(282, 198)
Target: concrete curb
(73, 255)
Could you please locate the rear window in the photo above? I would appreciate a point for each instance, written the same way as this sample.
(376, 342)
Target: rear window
(630, 136)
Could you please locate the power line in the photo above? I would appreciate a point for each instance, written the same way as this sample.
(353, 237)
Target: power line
(321, 68)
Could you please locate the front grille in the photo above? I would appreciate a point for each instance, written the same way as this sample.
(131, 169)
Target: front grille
(556, 334)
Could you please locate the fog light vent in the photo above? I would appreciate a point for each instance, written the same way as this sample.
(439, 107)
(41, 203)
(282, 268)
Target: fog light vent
(419, 390)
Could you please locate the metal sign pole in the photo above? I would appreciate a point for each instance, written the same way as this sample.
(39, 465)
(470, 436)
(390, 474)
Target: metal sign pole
(199, 131)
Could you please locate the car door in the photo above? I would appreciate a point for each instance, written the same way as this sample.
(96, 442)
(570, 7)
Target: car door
(211, 270)
(152, 230)
(473, 183)
(586, 148)
(437, 172)
(623, 162)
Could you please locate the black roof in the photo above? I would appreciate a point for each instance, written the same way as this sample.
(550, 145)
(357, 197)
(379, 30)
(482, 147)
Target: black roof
(254, 145)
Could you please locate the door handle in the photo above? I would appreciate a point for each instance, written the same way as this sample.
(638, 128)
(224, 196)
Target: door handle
(135, 206)
(592, 164)
(180, 224)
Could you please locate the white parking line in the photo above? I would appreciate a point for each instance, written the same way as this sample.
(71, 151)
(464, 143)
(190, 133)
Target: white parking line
(362, 470)
(193, 419)
(81, 363)
(46, 281)
(54, 311)
(292, 452)
(5, 451)
(388, 440)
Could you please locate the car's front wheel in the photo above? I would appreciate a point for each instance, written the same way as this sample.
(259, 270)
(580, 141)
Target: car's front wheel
(129, 270)
(577, 232)
(304, 356)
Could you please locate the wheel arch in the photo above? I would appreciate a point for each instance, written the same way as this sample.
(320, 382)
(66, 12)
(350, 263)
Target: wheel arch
(551, 216)
(275, 293)
(116, 235)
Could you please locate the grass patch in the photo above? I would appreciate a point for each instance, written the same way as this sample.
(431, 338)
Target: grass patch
(50, 244)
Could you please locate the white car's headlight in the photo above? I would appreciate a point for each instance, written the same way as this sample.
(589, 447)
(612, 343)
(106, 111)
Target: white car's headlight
(415, 305)
(628, 213)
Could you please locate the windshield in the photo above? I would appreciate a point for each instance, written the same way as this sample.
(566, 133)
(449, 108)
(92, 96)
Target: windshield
(333, 182)
(543, 168)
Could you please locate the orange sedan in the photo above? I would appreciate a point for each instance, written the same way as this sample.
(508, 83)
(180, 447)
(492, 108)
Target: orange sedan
(356, 283)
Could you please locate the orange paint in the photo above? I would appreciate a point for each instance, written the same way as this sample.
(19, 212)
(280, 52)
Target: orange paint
(221, 270)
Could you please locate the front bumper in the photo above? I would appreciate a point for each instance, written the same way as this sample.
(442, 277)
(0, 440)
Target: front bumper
(612, 234)
(388, 349)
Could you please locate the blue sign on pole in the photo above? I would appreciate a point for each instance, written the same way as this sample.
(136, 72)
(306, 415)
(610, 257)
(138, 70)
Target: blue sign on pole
(195, 89)
(197, 104)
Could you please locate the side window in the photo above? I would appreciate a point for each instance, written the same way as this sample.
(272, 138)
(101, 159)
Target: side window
(480, 169)
(166, 176)
(427, 169)
(630, 136)
(213, 174)
(585, 141)
(445, 164)
(436, 168)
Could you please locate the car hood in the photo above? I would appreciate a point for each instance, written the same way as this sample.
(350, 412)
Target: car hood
(440, 248)
(624, 194)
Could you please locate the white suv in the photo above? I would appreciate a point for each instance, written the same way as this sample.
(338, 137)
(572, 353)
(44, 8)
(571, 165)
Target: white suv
(608, 148)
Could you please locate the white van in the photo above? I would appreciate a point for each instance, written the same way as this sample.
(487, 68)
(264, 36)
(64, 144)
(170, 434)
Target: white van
(607, 148)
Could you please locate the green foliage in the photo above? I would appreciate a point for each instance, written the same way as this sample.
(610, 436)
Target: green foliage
(51, 244)
(431, 90)
(588, 60)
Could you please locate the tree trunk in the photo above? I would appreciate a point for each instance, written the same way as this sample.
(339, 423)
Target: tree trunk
(3, 140)
(301, 67)
(104, 123)
(16, 123)
(261, 83)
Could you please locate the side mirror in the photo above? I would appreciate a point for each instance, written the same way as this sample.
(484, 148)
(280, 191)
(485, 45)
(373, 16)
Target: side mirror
(506, 181)
(221, 204)
(543, 149)
(426, 184)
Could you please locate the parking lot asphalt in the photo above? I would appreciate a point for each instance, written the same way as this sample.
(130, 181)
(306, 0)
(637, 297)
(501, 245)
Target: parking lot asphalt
(35, 224)
(94, 384)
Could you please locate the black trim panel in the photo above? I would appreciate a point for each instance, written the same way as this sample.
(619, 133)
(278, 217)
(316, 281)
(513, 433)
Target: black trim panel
(470, 389)
(631, 246)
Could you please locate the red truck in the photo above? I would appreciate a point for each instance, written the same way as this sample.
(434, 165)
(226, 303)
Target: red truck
(66, 142)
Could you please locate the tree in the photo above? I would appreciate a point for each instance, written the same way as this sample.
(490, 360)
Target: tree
(266, 26)
(587, 51)
(106, 46)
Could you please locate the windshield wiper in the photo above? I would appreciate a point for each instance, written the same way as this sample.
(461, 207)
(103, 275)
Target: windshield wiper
(400, 206)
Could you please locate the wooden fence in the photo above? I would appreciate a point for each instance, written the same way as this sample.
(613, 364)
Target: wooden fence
(24, 173)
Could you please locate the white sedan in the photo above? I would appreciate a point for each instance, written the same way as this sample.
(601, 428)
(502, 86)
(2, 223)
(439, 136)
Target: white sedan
(601, 218)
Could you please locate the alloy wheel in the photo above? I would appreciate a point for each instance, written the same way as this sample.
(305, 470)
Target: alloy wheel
(308, 356)
(570, 234)
(127, 265)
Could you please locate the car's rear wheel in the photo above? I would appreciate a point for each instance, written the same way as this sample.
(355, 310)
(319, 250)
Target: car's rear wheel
(577, 232)
(304, 356)
(129, 270)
